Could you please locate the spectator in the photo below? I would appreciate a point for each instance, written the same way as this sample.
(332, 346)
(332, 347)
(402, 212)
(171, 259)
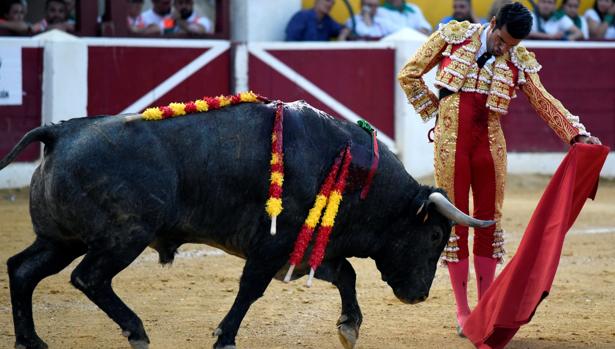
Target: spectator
(369, 24)
(135, 19)
(570, 8)
(158, 20)
(13, 14)
(496, 6)
(550, 26)
(56, 17)
(186, 19)
(315, 24)
(400, 14)
(600, 20)
(462, 11)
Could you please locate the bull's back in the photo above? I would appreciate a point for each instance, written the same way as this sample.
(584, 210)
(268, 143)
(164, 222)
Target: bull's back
(205, 176)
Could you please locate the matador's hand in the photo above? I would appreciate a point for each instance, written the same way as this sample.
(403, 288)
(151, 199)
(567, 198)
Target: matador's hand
(587, 140)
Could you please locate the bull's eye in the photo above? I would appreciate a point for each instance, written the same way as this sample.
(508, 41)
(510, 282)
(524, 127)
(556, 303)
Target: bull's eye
(436, 236)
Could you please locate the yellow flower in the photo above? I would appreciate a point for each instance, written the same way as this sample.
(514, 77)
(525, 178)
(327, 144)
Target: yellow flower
(152, 114)
(277, 178)
(201, 105)
(248, 96)
(274, 206)
(178, 109)
(334, 203)
(224, 101)
(314, 216)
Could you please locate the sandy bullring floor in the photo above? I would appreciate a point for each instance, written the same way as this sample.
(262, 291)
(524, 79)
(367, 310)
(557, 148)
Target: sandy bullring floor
(181, 305)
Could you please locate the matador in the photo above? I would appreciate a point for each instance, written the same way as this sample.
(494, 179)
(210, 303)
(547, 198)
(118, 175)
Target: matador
(480, 67)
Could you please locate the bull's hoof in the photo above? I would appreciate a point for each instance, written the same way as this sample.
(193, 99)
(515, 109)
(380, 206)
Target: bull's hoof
(347, 331)
(141, 344)
(35, 343)
(218, 345)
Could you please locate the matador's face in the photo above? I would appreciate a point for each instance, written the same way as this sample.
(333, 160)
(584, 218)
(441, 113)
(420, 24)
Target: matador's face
(499, 40)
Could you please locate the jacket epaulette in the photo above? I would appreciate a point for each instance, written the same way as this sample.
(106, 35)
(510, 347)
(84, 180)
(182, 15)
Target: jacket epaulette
(455, 32)
(525, 61)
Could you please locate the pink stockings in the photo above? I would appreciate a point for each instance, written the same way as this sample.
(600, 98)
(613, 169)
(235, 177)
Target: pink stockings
(485, 272)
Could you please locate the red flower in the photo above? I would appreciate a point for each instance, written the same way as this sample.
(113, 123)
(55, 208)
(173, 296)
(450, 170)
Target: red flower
(166, 112)
(190, 108)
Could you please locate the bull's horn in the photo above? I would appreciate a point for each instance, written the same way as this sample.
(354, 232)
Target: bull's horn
(453, 213)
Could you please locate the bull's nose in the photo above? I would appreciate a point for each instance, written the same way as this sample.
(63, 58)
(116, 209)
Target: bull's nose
(418, 300)
(413, 300)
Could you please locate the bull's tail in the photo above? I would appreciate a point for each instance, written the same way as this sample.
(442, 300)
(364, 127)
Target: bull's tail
(41, 134)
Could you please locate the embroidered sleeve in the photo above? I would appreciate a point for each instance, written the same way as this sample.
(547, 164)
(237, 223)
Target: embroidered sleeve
(411, 80)
(565, 125)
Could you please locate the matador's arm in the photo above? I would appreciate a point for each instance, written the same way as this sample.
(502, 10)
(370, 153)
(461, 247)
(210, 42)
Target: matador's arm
(411, 80)
(565, 125)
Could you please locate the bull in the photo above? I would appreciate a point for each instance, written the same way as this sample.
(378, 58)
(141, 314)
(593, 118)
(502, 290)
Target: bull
(107, 188)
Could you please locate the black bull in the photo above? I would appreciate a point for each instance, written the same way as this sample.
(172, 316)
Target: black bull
(108, 188)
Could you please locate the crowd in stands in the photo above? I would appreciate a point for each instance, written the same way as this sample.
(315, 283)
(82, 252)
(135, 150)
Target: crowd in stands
(374, 20)
(378, 19)
(59, 14)
(165, 17)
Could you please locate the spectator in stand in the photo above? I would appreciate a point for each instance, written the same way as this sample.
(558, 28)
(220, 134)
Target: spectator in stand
(13, 14)
(570, 8)
(56, 17)
(462, 11)
(399, 14)
(187, 21)
(548, 25)
(158, 20)
(600, 20)
(135, 19)
(315, 24)
(496, 6)
(369, 25)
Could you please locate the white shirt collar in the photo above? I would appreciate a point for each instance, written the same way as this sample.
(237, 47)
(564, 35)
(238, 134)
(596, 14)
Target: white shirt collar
(483, 44)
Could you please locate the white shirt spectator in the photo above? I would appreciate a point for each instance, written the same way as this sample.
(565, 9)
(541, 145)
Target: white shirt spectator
(584, 27)
(150, 17)
(200, 20)
(593, 15)
(136, 23)
(378, 29)
(411, 17)
(553, 25)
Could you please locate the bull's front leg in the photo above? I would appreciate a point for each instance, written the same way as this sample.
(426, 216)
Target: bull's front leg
(342, 275)
(256, 276)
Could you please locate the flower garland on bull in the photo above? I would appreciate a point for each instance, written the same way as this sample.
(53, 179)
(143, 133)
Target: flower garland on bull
(329, 195)
(328, 198)
(274, 202)
(198, 106)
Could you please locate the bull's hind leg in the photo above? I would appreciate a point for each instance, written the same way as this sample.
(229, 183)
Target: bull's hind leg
(26, 270)
(94, 274)
(342, 275)
(256, 276)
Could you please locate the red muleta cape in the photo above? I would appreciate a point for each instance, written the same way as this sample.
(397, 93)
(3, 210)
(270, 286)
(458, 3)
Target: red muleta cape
(513, 297)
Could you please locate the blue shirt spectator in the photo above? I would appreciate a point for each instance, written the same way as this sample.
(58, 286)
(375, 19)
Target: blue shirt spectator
(315, 24)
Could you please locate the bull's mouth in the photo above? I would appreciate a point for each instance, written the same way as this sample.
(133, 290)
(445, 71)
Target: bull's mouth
(410, 300)
(413, 301)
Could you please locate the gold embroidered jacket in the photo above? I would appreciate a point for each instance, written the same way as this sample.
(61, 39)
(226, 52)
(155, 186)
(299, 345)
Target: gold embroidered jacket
(454, 48)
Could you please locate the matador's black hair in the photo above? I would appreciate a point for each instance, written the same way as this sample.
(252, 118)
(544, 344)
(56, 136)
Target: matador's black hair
(517, 19)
